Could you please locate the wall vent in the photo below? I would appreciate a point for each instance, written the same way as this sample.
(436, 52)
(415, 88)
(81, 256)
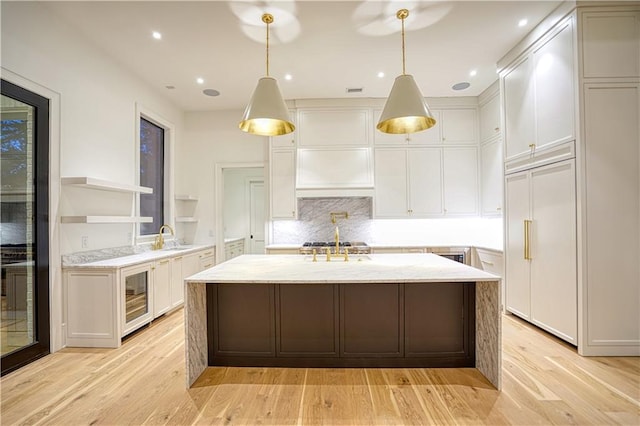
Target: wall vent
(354, 89)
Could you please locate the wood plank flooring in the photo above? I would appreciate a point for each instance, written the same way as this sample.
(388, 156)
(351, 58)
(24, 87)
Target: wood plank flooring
(545, 383)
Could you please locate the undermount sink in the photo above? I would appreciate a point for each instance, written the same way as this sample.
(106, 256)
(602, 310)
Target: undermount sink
(176, 248)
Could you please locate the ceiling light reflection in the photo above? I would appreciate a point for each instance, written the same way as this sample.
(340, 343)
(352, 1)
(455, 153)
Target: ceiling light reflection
(284, 30)
(377, 18)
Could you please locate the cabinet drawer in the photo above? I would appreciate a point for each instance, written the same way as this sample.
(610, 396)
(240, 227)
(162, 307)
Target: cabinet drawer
(491, 262)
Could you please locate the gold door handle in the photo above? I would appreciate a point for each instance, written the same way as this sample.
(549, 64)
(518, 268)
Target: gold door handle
(527, 239)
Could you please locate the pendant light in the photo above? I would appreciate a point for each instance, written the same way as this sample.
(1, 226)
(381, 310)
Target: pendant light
(267, 114)
(405, 110)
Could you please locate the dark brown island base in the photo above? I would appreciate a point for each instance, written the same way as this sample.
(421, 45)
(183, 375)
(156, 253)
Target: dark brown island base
(406, 310)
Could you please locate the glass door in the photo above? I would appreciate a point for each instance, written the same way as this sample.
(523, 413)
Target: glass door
(24, 227)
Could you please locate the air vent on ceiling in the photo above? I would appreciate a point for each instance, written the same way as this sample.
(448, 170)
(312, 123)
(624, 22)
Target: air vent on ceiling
(354, 89)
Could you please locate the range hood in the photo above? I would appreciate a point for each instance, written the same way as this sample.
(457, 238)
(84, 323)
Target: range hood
(334, 192)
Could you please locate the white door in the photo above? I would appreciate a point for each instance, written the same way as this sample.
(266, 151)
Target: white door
(460, 181)
(554, 290)
(391, 183)
(518, 110)
(517, 281)
(425, 181)
(257, 216)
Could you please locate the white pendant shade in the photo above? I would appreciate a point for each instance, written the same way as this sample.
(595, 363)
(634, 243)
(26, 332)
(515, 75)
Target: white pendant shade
(267, 114)
(405, 110)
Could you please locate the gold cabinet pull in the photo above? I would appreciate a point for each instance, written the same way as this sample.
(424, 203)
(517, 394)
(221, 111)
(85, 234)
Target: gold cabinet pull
(527, 239)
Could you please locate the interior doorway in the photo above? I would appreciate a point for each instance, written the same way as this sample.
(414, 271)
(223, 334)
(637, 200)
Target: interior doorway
(240, 206)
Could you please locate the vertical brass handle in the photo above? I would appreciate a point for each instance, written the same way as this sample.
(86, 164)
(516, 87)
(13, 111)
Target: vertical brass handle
(527, 239)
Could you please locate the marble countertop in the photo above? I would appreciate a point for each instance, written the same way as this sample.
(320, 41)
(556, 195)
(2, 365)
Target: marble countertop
(374, 268)
(396, 245)
(135, 259)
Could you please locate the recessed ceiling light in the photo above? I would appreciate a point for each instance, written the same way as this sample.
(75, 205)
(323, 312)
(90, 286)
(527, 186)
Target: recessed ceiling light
(200, 80)
(211, 92)
(473, 73)
(461, 86)
(288, 76)
(380, 74)
(522, 22)
(156, 35)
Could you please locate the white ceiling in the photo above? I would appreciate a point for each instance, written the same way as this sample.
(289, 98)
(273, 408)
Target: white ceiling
(327, 46)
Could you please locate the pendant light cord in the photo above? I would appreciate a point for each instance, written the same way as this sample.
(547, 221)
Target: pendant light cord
(401, 15)
(403, 55)
(267, 19)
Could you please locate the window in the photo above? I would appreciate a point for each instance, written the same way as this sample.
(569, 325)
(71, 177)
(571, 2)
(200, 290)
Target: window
(152, 175)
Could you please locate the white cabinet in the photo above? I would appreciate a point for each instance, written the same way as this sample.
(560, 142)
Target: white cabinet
(177, 281)
(333, 127)
(282, 168)
(104, 304)
(320, 168)
(408, 182)
(491, 177)
(426, 182)
(539, 95)
(611, 44)
(288, 140)
(233, 248)
(460, 176)
(459, 126)
(541, 252)
(161, 287)
(430, 136)
(454, 126)
(207, 259)
(490, 118)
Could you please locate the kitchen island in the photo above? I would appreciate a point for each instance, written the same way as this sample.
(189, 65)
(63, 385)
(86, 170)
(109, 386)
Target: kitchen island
(386, 310)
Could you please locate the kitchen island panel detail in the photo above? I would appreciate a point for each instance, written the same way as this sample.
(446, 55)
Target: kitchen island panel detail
(438, 320)
(371, 320)
(307, 320)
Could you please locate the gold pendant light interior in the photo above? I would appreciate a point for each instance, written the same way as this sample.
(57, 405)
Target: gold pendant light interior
(267, 114)
(406, 110)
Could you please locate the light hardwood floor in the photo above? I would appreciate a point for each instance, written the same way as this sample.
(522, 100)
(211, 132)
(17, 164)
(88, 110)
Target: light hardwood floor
(545, 382)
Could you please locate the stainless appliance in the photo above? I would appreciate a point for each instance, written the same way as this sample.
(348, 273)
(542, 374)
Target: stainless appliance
(458, 254)
(354, 247)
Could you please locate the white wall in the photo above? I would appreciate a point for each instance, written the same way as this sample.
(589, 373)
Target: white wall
(98, 112)
(93, 123)
(212, 138)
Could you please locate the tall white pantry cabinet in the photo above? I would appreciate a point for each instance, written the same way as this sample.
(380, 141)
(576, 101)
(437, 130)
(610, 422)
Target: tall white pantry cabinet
(571, 116)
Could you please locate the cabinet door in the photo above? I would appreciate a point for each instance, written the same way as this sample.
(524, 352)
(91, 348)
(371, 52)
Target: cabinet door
(161, 287)
(459, 126)
(283, 184)
(518, 109)
(190, 265)
(490, 118)
(335, 128)
(517, 282)
(460, 181)
(334, 168)
(177, 281)
(491, 182)
(391, 183)
(554, 91)
(432, 136)
(553, 249)
(425, 181)
(288, 140)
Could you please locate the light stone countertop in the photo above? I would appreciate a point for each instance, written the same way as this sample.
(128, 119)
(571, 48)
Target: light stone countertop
(135, 259)
(498, 250)
(374, 268)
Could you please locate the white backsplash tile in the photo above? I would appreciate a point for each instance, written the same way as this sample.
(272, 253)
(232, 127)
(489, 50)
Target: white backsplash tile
(314, 224)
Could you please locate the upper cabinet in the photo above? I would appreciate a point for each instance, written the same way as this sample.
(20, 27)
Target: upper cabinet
(333, 127)
(490, 119)
(282, 173)
(427, 137)
(454, 126)
(539, 96)
(288, 140)
(611, 45)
